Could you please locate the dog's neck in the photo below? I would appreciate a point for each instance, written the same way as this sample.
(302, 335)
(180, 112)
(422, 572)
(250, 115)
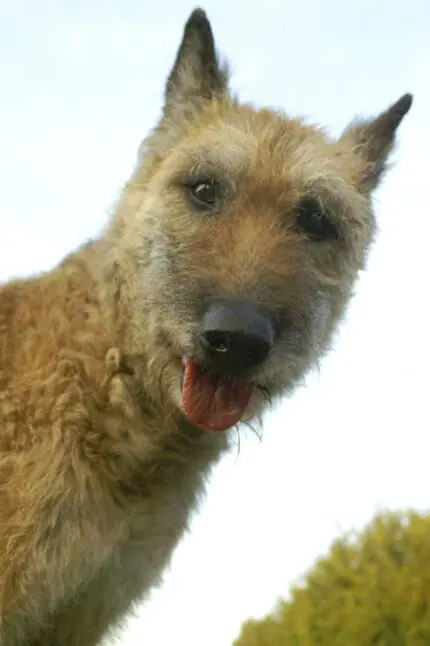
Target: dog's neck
(148, 440)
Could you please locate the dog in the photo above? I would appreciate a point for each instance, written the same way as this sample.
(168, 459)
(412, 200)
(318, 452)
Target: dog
(216, 286)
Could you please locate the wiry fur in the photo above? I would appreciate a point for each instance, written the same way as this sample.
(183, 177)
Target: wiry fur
(99, 468)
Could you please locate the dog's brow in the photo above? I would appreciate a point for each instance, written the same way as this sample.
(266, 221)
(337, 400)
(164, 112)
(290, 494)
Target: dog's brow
(226, 158)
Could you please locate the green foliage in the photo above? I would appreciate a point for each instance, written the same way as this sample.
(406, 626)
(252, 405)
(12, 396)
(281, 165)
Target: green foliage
(373, 589)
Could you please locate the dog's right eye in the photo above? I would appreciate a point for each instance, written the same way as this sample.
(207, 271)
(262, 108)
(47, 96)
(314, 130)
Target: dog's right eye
(204, 194)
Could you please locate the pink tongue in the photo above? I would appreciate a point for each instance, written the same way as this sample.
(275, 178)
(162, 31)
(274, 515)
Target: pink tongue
(214, 402)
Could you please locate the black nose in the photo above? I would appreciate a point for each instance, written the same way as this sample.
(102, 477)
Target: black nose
(236, 337)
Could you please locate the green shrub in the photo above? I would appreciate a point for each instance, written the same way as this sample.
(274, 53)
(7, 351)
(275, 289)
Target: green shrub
(373, 589)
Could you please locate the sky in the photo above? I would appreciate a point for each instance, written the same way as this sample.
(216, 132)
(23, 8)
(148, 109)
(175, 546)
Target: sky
(81, 85)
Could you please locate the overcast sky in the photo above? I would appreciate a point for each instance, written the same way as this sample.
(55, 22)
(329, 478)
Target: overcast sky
(81, 84)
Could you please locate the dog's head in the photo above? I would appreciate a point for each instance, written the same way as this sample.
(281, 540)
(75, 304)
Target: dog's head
(241, 232)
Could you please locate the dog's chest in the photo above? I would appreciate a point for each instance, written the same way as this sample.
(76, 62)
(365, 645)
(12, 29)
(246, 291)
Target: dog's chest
(152, 530)
(158, 499)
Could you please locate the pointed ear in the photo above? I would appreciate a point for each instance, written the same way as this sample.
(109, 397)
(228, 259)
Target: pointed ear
(196, 73)
(373, 140)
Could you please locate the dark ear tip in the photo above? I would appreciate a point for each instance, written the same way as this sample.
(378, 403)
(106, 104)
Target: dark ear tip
(403, 105)
(198, 14)
(197, 20)
(395, 113)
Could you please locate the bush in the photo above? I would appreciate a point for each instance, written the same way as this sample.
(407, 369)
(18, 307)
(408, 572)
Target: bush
(373, 589)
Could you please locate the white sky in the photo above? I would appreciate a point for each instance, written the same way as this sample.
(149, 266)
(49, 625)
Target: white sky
(81, 84)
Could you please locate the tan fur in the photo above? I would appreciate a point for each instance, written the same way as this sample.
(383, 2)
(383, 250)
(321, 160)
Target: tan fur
(99, 468)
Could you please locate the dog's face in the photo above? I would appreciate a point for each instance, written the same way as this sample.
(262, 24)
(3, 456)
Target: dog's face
(247, 231)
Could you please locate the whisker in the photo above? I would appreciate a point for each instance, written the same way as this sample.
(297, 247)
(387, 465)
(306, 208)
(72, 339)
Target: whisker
(160, 381)
(266, 394)
(253, 430)
(236, 428)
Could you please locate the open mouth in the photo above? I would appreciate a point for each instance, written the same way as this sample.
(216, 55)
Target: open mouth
(213, 401)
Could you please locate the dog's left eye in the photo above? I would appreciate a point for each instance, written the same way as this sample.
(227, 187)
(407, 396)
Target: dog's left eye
(204, 194)
(313, 221)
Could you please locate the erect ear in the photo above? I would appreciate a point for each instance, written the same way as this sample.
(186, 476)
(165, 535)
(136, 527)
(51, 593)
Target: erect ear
(196, 73)
(373, 140)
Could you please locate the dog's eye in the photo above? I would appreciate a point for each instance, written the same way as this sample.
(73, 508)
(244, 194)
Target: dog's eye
(204, 193)
(312, 221)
